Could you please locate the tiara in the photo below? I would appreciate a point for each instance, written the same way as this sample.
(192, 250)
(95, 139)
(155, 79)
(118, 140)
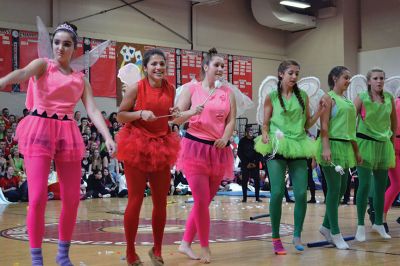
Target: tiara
(66, 27)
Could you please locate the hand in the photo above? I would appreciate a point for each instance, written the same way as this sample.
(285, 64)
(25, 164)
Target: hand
(147, 115)
(111, 147)
(326, 155)
(175, 112)
(12, 188)
(220, 143)
(265, 139)
(359, 158)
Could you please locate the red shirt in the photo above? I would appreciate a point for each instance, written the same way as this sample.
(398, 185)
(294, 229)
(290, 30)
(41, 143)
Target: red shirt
(157, 100)
(6, 183)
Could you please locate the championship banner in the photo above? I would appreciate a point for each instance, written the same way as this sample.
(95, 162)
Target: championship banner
(6, 54)
(103, 72)
(27, 52)
(190, 65)
(242, 74)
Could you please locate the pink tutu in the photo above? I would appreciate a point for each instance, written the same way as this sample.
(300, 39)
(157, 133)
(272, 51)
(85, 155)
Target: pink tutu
(200, 158)
(147, 153)
(58, 139)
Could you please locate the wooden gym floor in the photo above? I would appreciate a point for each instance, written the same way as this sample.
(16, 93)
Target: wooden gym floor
(99, 238)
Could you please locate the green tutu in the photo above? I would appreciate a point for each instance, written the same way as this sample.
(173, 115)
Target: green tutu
(376, 154)
(288, 148)
(342, 154)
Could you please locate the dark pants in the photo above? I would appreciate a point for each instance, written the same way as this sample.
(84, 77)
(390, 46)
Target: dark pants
(246, 175)
(311, 183)
(13, 195)
(346, 196)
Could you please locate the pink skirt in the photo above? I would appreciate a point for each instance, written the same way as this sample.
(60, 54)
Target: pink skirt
(196, 158)
(148, 154)
(58, 139)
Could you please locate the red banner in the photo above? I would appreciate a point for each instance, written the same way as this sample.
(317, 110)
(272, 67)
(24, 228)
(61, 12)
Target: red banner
(27, 52)
(190, 65)
(242, 74)
(103, 72)
(5, 54)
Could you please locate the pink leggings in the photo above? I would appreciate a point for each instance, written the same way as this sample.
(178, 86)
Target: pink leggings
(203, 189)
(69, 174)
(394, 189)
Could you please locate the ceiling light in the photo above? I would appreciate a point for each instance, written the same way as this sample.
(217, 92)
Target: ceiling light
(294, 3)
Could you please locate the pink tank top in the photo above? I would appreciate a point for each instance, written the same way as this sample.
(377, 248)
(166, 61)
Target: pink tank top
(55, 92)
(210, 124)
(397, 103)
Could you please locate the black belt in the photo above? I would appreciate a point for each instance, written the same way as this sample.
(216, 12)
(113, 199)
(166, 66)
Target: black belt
(208, 142)
(363, 136)
(55, 116)
(342, 140)
(398, 136)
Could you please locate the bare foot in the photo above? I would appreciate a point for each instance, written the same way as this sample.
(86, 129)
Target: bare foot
(205, 255)
(186, 249)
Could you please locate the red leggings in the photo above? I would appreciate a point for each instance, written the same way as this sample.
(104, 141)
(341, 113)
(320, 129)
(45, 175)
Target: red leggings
(136, 182)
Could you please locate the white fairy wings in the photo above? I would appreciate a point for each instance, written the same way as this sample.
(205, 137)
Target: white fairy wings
(358, 84)
(243, 102)
(129, 74)
(78, 64)
(311, 85)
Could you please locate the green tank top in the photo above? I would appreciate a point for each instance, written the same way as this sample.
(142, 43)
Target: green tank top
(291, 122)
(376, 123)
(18, 163)
(342, 122)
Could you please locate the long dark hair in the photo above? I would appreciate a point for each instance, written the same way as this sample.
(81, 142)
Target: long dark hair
(281, 69)
(336, 72)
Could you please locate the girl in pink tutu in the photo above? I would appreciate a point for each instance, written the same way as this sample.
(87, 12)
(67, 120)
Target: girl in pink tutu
(50, 132)
(148, 149)
(205, 156)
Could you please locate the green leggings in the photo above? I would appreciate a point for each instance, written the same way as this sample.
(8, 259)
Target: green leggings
(379, 179)
(336, 184)
(298, 173)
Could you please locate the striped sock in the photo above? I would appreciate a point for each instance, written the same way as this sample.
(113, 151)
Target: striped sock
(37, 258)
(62, 258)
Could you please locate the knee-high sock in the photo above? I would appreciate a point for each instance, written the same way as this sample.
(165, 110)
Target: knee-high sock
(37, 169)
(298, 172)
(380, 182)
(394, 189)
(136, 183)
(159, 184)
(69, 177)
(276, 170)
(364, 179)
(336, 188)
(204, 189)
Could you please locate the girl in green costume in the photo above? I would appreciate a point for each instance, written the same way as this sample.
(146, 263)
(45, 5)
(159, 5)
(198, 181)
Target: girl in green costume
(286, 111)
(337, 147)
(377, 122)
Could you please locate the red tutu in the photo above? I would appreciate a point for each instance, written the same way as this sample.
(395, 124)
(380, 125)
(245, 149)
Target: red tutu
(58, 139)
(147, 153)
(200, 158)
